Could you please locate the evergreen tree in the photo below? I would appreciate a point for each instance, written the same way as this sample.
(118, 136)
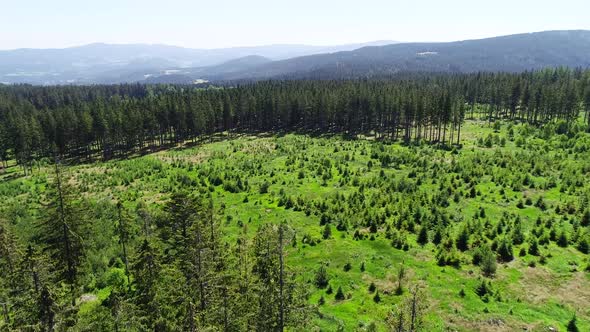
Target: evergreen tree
(462, 241)
(339, 294)
(321, 277)
(572, 325)
(146, 268)
(327, 233)
(60, 233)
(422, 236)
(487, 261)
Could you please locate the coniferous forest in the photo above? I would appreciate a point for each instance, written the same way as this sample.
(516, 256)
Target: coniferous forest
(421, 202)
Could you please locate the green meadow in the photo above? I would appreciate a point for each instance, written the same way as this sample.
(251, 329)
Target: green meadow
(375, 197)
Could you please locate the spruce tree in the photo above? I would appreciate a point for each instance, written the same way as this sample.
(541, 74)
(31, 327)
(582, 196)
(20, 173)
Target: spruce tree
(60, 232)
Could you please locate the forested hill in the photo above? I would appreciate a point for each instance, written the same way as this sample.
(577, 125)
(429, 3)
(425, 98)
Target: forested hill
(108, 64)
(513, 53)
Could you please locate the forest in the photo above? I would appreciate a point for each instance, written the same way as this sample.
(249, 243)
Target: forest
(424, 202)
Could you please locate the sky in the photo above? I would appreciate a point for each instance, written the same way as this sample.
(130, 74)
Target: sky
(224, 23)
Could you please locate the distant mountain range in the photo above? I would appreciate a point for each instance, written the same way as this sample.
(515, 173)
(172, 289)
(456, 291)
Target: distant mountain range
(513, 53)
(114, 63)
(103, 63)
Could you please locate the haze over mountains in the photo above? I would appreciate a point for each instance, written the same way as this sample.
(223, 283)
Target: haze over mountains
(113, 63)
(103, 63)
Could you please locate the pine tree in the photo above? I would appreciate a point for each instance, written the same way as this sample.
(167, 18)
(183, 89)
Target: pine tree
(401, 274)
(321, 277)
(505, 250)
(339, 294)
(60, 233)
(462, 241)
(409, 314)
(327, 233)
(146, 268)
(46, 310)
(422, 236)
(534, 247)
(487, 261)
(572, 325)
(517, 233)
(377, 298)
(562, 240)
(281, 299)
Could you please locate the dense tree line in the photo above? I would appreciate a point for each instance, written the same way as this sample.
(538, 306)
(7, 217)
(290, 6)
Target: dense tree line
(87, 121)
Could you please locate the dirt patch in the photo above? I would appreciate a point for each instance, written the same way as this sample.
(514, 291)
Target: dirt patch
(259, 146)
(197, 158)
(541, 285)
(486, 324)
(88, 298)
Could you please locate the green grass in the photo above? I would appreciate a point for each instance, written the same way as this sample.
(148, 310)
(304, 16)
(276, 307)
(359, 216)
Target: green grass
(521, 303)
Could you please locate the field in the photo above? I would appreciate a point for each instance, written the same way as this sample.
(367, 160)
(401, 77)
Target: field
(358, 207)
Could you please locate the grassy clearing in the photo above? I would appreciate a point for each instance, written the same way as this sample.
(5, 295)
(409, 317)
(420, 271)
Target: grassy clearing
(307, 172)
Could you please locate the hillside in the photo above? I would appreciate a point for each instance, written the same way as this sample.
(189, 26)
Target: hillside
(350, 209)
(190, 75)
(513, 53)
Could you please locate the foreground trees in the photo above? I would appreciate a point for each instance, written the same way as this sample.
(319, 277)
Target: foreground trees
(183, 274)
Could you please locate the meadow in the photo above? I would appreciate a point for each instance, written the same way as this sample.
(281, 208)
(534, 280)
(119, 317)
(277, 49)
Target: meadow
(372, 220)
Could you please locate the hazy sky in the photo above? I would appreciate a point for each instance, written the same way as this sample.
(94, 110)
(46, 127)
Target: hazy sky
(222, 23)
